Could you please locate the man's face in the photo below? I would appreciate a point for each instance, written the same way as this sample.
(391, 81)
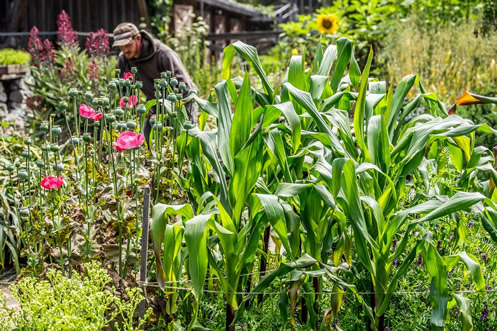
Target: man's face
(132, 49)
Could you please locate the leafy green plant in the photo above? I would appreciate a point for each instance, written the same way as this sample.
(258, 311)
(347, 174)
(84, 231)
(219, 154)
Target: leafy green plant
(80, 302)
(12, 56)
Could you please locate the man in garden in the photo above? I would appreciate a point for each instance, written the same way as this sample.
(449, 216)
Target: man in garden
(151, 57)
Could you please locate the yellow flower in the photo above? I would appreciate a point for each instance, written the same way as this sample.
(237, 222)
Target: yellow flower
(327, 23)
(295, 51)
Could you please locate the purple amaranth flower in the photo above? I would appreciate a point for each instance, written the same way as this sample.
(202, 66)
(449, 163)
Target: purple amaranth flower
(484, 257)
(35, 46)
(470, 224)
(48, 52)
(439, 244)
(387, 329)
(97, 44)
(394, 245)
(420, 259)
(452, 238)
(452, 271)
(395, 262)
(65, 33)
(93, 71)
(484, 313)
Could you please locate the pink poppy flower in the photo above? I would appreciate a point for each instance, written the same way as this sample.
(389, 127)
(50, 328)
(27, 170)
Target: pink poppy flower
(133, 100)
(88, 112)
(128, 140)
(51, 182)
(128, 75)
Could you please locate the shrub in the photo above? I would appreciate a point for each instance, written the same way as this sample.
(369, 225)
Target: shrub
(12, 56)
(78, 303)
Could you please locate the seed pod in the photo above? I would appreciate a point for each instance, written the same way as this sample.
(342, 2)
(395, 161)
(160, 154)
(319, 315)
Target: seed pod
(56, 130)
(182, 86)
(44, 126)
(23, 175)
(26, 154)
(139, 84)
(10, 168)
(86, 137)
(112, 86)
(173, 82)
(73, 92)
(27, 142)
(134, 70)
(63, 105)
(127, 83)
(40, 164)
(125, 99)
(24, 212)
(121, 126)
(141, 109)
(110, 118)
(131, 125)
(88, 95)
(152, 121)
(163, 83)
(58, 167)
(54, 148)
(119, 112)
(171, 97)
(157, 94)
(18, 165)
(168, 74)
(163, 75)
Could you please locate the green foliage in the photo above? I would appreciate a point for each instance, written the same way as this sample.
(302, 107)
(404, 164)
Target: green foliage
(77, 303)
(72, 69)
(450, 60)
(12, 56)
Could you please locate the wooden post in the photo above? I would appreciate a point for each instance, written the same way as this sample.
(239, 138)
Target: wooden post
(144, 249)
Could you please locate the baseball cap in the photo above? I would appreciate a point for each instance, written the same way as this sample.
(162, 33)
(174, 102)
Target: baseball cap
(124, 33)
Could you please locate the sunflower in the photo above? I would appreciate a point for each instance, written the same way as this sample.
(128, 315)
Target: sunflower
(327, 23)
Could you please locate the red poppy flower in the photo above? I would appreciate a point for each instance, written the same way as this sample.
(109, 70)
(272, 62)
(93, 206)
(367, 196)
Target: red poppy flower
(128, 140)
(51, 182)
(88, 112)
(133, 100)
(128, 75)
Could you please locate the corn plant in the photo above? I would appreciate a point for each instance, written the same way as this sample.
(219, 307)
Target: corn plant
(338, 195)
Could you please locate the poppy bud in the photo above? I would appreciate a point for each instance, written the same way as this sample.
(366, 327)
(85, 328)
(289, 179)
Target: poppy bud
(118, 72)
(10, 168)
(179, 96)
(139, 84)
(157, 94)
(86, 137)
(23, 175)
(18, 165)
(131, 125)
(73, 92)
(173, 82)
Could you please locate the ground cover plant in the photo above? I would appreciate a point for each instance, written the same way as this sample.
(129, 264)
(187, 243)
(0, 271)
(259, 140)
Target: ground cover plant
(314, 203)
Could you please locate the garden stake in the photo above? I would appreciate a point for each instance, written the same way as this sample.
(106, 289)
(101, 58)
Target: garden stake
(144, 247)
